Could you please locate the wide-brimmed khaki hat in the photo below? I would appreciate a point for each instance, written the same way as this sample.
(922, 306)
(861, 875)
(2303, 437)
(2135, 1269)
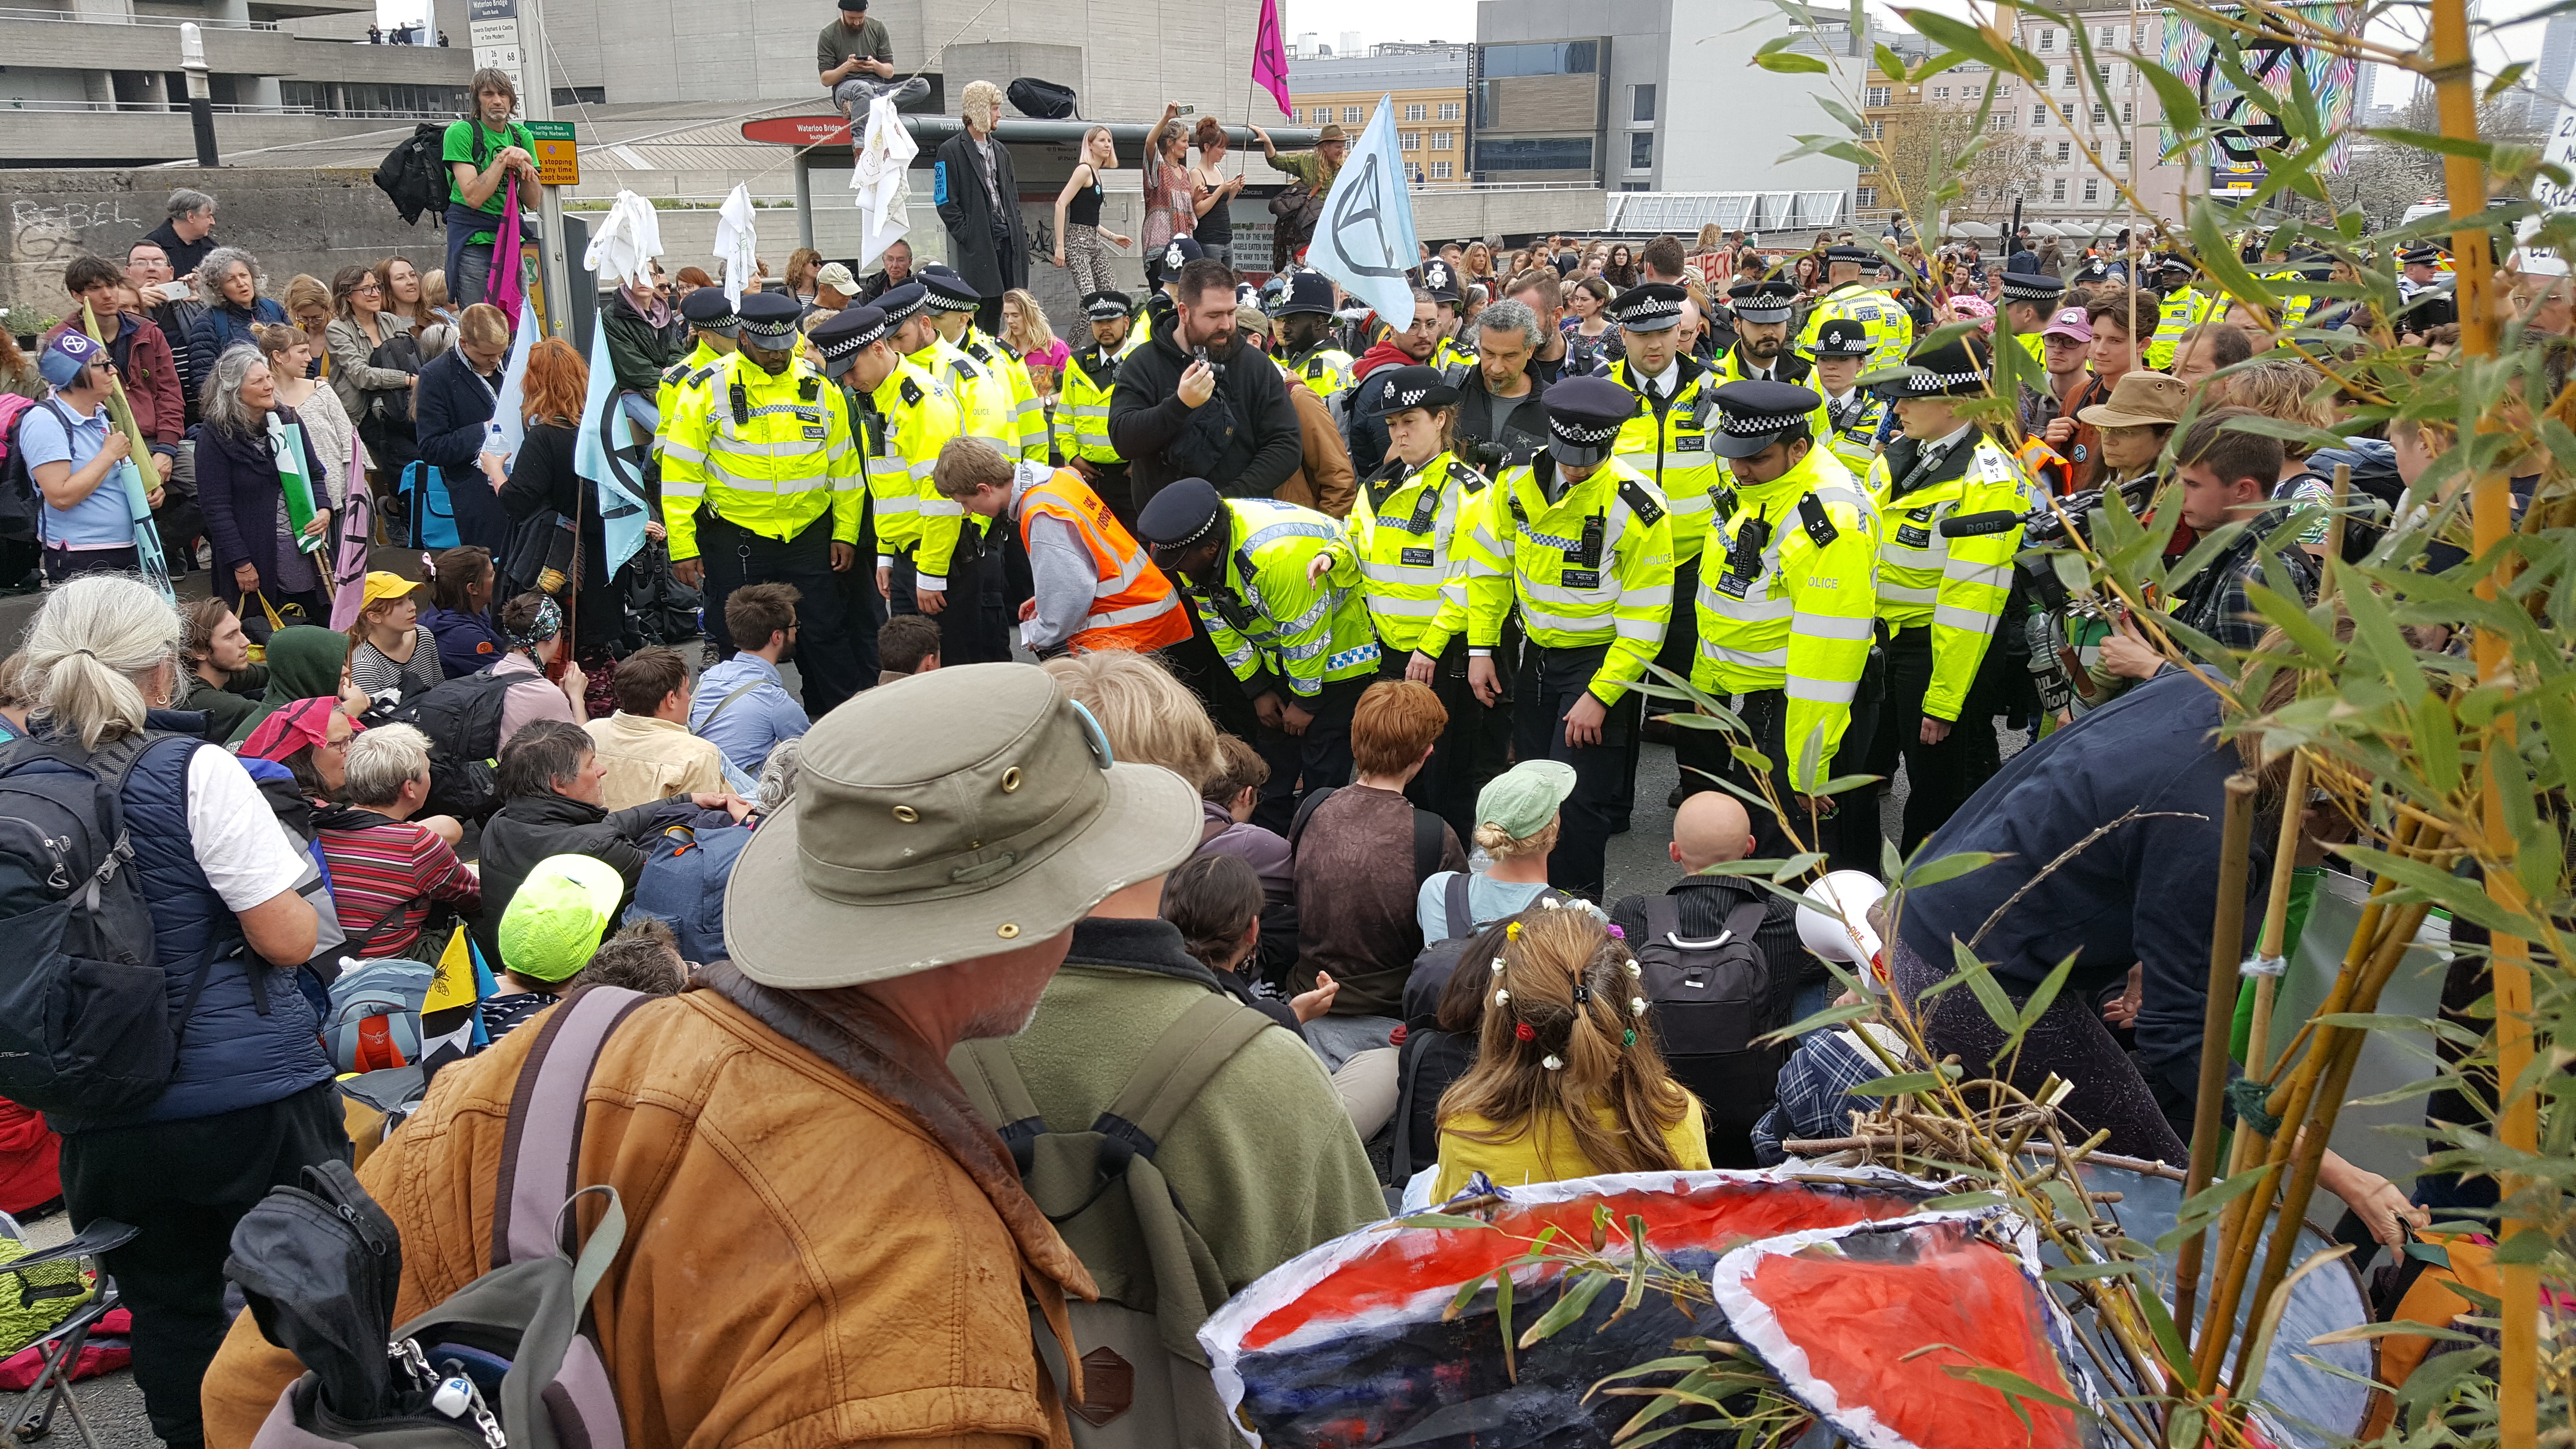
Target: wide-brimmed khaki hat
(1330, 134)
(2140, 400)
(963, 813)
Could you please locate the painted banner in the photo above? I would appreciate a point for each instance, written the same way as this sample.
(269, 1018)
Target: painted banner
(2243, 134)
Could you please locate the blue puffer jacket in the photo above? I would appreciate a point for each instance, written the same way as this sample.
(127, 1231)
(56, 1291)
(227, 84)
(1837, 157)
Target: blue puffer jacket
(686, 867)
(232, 1055)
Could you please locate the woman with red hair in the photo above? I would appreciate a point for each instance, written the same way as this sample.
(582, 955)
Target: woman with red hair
(573, 568)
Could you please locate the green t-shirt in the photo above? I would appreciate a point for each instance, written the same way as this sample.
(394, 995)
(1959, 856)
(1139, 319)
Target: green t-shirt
(459, 145)
(839, 42)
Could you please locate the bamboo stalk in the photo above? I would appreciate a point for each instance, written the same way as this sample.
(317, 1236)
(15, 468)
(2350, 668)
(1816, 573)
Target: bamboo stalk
(2226, 941)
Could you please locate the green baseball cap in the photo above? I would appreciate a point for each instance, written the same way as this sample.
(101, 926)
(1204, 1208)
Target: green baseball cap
(1521, 800)
(556, 919)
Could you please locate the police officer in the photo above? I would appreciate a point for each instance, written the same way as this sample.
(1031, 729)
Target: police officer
(2425, 297)
(1082, 402)
(1761, 352)
(1027, 435)
(1664, 438)
(1942, 590)
(1847, 297)
(762, 484)
(1788, 609)
(713, 324)
(1298, 642)
(856, 355)
(921, 414)
(1404, 533)
(1307, 348)
(951, 548)
(2181, 308)
(1449, 353)
(1852, 413)
(1583, 546)
(2029, 299)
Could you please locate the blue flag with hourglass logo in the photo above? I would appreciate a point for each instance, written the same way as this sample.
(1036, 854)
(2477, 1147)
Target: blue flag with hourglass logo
(1364, 240)
(607, 452)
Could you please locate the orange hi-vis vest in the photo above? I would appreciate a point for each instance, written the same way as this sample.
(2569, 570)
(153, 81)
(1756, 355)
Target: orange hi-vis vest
(1133, 606)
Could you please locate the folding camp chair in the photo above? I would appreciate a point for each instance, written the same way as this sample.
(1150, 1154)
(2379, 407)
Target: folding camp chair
(60, 1346)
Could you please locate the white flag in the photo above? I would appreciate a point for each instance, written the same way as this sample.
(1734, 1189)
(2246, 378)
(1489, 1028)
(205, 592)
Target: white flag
(628, 240)
(883, 181)
(736, 247)
(1365, 240)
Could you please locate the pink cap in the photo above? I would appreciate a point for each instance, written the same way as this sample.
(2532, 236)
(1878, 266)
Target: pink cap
(2069, 323)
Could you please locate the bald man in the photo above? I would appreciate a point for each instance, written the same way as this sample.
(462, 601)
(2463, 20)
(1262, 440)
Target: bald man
(1710, 828)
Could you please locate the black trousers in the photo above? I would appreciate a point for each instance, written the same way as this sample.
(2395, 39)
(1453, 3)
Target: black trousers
(1109, 480)
(734, 556)
(975, 623)
(1849, 835)
(1318, 759)
(864, 609)
(1474, 747)
(1196, 663)
(1938, 778)
(1552, 681)
(185, 1184)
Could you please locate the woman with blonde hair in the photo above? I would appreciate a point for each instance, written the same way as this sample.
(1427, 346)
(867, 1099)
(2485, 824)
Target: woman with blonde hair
(439, 333)
(1567, 1081)
(1516, 827)
(288, 349)
(1170, 210)
(308, 305)
(802, 265)
(1026, 331)
(1080, 244)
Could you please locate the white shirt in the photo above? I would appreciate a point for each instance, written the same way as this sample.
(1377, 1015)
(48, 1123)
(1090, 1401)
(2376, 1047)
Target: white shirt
(1663, 383)
(245, 853)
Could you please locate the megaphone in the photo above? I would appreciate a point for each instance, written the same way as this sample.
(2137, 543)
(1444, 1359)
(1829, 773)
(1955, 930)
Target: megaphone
(1834, 923)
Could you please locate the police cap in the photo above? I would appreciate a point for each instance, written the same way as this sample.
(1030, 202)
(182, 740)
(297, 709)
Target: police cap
(1955, 368)
(2032, 287)
(1440, 280)
(1414, 387)
(709, 310)
(770, 318)
(1584, 415)
(1650, 307)
(1178, 518)
(1753, 414)
(1177, 251)
(842, 336)
(1841, 337)
(1857, 256)
(2423, 254)
(1770, 300)
(900, 303)
(1310, 292)
(948, 291)
(1107, 306)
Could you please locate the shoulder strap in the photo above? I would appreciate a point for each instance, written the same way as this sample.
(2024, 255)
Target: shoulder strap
(1663, 919)
(994, 1084)
(1305, 809)
(1408, 1075)
(737, 693)
(1176, 1068)
(541, 1146)
(1427, 829)
(1811, 516)
(1455, 905)
(1640, 502)
(1746, 920)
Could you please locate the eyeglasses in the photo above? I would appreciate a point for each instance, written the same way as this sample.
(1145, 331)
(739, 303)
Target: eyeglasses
(363, 290)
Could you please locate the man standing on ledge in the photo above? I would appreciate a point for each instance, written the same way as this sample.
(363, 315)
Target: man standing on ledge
(978, 196)
(856, 57)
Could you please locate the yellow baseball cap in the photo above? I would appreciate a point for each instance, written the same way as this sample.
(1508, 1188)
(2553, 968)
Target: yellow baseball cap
(382, 586)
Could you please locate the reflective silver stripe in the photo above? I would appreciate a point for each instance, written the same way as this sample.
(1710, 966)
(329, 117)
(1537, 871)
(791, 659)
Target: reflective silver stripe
(1693, 503)
(1553, 594)
(1902, 556)
(1820, 691)
(1658, 597)
(1650, 631)
(1419, 576)
(1745, 658)
(897, 503)
(751, 448)
(1748, 610)
(673, 449)
(1565, 623)
(1963, 618)
(1396, 608)
(1307, 650)
(1901, 594)
(942, 508)
(1992, 575)
(1088, 410)
(1134, 613)
(717, 473)
(1821, 626)
(1270, 532)
(677, 487)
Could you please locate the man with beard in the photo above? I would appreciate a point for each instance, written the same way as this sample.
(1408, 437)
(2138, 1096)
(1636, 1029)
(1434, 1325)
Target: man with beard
(1761, 351)
(742, 706)
(1082, 409)
(1307, 349)
(1539, 290)
(1499, 418)
(1191, 403)
(1401, 347)
(769, 457)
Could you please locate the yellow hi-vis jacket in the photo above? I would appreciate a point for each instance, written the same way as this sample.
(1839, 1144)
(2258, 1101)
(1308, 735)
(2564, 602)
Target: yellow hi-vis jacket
(1593, 567)
(2175, 315)
(1327, 370)
(768, 454)
(1890, 326)
(1082, 405)
(921, 415)
(1404, 528)
(690, 371)
(1788, 600)
(1027, 413)
(1667, 443)
(1957, 586)
(1851, 428)
(1272, 625)
(989, 412)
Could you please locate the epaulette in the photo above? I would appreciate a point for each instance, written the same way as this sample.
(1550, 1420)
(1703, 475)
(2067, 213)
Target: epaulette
(1812, 517)
(675, 372)
(1469, 478)
(1640, 502)
(975, 349)
(912, 393)
(963, 368)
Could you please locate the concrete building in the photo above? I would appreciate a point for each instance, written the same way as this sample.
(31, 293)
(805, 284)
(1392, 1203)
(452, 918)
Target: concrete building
(1427, 85)
(1624, 95)
(2549, 79)
(97, 82)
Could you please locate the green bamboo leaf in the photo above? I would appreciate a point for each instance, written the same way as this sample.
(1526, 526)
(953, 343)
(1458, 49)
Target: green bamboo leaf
(2012, 1385)
(2169, 1342)
(2040, 1001)
(1798, 865)
(2212, 249)
(1948, 867)
(2434, 141)
(1443, 1220)
(1570, 1305)
(2506, 79)
(1751, 759)
(1959, 1200)
(1790, 62)
(1982, 985)
(1958, 35)
(2183, 1430)
(1840, 783)
(2463, 898)
(1890, 64)
(2084, 1272)
(1503, 1321)
(1842, 113)
(2204, 1206)
(1653, 1366)
(1830, 1016)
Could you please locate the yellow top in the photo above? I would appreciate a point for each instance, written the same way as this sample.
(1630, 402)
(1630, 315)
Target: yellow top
(1547, 1154)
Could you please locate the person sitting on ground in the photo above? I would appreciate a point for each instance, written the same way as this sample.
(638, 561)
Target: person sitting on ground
(1516, 827)
(533, 627)
(552, 927)
(222, 683)
(1712, 828)
(303, 663)
(554, 802)
(1359, 871)
(392, 655)
(742, 705)
(459, 615)
(389, 869)
(1567, 1081)
(1225, 807)
(643, 957)
(646, 747)
(907, 645)
(1214, 901)
(17, 701)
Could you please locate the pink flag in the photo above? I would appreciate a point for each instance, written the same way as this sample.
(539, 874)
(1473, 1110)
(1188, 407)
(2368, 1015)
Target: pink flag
(356, 526)
(1270, 58)
(506, 288)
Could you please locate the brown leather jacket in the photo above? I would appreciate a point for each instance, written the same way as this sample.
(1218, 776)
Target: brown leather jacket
(825, 1247)
(1323, 479)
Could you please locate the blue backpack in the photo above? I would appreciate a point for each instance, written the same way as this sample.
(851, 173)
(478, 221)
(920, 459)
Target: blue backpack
(683, 885)
(431, 512)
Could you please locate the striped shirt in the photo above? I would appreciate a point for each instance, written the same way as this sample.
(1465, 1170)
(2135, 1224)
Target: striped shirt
(373, 866)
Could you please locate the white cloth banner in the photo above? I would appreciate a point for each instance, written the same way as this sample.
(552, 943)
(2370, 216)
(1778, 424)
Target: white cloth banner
(736, 246)
(628, 239)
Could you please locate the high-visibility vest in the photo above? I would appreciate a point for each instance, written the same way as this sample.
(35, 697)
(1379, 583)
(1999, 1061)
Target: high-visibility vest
(921, 415)
(1788, 600)
(767, 454)
(1326, 370)
(690, 371)
(1670, 450)
(1264, 615)
(1133, 606)
(1082, 407)
(990, 412)
(1449, 354)
(1956, 586)
(1404, 525)
(1890, 326)
(1594, 567)
(1851, 428)
(2177, 314)
(2045, 465)
(1028, 415)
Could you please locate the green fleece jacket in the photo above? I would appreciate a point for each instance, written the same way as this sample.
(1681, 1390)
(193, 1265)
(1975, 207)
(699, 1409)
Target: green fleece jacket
(1265, 1161)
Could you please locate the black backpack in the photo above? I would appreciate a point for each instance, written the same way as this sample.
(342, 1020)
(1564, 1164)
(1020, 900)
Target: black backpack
(1041, 99)
(1710, 1002)
(414, 177)
(21, 505)
(85, 1022)
(462, 718)
(2377, 490)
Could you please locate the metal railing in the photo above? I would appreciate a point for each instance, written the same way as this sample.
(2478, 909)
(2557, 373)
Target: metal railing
(223, 108)
(76, 17)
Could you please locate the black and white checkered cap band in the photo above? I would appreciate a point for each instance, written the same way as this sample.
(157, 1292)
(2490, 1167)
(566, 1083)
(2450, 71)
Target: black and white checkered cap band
(1756, 425)
(1764, 309)
(1397, 402)
(1934, 381)
(1197, 533)
(1582, 434)
(1651, 315)
(779, 331)
(844, 345)
(940, 301)
(718, 324)
(2033, 292)
(1104, 311)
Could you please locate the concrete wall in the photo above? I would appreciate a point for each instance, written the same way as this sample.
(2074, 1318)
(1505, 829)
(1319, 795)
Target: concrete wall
(293, 221)
(1725, 122)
